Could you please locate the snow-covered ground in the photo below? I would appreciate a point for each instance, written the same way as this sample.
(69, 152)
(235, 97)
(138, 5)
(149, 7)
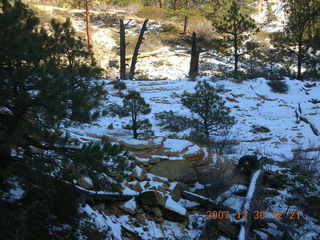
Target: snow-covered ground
(252, 103)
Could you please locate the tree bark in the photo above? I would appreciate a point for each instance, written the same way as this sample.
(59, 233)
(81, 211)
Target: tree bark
(122, 50)
(236, 55)
(136, 50)
(87, 23)
(194, 62)
(185, 25)
(299, 61)
(160, 3)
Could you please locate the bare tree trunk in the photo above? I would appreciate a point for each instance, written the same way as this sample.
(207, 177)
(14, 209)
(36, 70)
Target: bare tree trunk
(299, 77)
(185, 25)
(194, 62)
(122, 50)
(236, 54)
(175, 5)
(160, 3)
(136, 50)
(5, 5)
(87, 23)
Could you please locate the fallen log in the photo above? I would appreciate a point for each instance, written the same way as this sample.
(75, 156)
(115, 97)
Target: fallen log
(206, 202)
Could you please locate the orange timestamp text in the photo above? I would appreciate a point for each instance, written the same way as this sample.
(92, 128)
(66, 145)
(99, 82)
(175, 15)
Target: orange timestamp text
(256, 215)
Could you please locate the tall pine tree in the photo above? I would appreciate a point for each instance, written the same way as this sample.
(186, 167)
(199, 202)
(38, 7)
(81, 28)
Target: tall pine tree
(47, 81)
(236, 28)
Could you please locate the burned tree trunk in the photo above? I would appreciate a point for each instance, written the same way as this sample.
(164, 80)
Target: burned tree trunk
(122, 50)
(194, 62)
(185, 25)
(136, 50)
(87, 23)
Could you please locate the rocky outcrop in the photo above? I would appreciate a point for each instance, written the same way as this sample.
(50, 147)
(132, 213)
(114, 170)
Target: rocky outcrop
(151, 198)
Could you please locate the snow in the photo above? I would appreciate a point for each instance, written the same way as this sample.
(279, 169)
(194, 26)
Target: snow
(234, 202)
(128, 191)
(131, 204)
(275, 113)
(138, 170)
(174, 206)
(193, 149)
(242, 234)
(251, 190)
(16, 193)
(88, 180)
(176, 145)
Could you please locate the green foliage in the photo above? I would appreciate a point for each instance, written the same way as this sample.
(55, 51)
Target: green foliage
(134, 106)
(212, 116)
(171, 121)
(278, 86)
(302, 17)
(236, 28)
(47, 80)
(95, 160)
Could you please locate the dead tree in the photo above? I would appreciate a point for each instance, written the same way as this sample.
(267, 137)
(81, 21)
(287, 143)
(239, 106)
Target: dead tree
(194, 62)
(136, 50)
(87, 23)
(122, 50)
(186, 19)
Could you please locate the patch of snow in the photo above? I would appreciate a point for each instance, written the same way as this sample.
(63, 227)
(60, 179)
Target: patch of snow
(242, 234)
(174, 206)
(128, 191)
(176, 145)
(193, 149)
(131, 204)
(251, 190)
(234, 202)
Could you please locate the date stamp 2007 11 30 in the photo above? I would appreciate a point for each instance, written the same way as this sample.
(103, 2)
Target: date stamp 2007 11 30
(256, 215)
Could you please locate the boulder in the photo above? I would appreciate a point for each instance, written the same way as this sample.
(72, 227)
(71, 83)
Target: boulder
(194, 155)
(86, 182)
(138, 145)
(173, 211)
(151, 198)
(313, 206)
(247, 164)
(177, 191)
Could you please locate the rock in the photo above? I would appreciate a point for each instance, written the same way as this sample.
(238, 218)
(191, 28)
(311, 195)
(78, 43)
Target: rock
(259, 129)
(86, 182)
(173, 169)
(194, 156)
(313, 205)
(157, 212)
(138, 173)
(215, 228)
(129, 207)
(151, 198)
(100, 206)
(138, 145)
(178, 189)
(173, 211)
(247, 164)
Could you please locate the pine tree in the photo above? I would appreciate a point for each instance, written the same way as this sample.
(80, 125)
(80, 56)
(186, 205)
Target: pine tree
(295, 38)
(236, 28)
(212, 116)
(47, 81)
(134, 106)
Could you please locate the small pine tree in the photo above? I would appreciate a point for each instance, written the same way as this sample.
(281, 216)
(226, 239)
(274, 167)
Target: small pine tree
(212, 116)
(133, 106)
